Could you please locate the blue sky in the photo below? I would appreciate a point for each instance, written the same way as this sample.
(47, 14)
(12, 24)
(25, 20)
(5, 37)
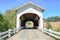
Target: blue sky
(52, 7)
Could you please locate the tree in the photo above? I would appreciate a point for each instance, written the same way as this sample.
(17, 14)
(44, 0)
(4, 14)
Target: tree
(10, 15)
(3, 24)
(53, 19)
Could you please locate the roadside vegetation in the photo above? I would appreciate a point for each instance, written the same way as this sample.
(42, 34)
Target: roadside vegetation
(52, 19)
(48, 26)
(51, 22)
(7, 20)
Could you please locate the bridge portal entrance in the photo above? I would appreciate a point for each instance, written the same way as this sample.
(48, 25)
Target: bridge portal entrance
(29, 21)
(29, 15)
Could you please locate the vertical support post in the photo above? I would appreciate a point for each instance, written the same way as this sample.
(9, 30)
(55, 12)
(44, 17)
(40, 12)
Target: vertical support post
(50, 30)
(17, 25)
(14, 30)
(0, 36)
(41, 24)
(9, 33)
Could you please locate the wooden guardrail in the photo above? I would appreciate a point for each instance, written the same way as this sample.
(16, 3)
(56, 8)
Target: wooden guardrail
(8, 33)
(52, 33)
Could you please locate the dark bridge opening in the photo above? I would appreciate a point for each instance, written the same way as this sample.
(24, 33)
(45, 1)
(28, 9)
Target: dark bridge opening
(29, 17)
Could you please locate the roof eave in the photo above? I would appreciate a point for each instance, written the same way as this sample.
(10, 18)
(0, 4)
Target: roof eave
(29, 3)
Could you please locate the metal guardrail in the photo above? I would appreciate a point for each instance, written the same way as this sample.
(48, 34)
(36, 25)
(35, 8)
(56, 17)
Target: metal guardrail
(52, 33)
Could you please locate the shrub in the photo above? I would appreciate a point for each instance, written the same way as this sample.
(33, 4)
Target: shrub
(58, 29)
(49, 26)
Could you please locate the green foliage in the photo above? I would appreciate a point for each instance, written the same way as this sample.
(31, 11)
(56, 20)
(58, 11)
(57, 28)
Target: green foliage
(7, 20)
(58, 29)
(3, 24)
(10, 15)
(53, 19)
(49, 26)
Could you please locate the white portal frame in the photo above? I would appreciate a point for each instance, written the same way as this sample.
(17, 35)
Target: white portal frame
(30, 10)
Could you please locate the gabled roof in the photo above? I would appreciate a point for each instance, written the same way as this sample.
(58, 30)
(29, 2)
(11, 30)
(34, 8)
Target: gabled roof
(29, 5)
